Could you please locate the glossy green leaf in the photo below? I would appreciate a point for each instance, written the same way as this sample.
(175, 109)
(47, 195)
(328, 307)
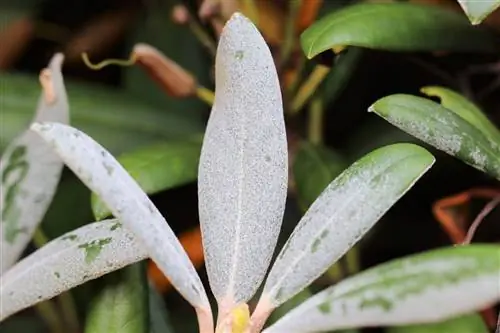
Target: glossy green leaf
(122, 305)
(441, 128)
(465, 109)
(314, 168)
(478, 10)
(472, 323)
(121, 122)
(424, 288)
(396, 26)
(157, 168)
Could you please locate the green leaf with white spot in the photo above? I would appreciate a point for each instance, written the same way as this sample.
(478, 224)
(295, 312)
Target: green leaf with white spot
(478, 10)
(441, 128)
(122, 305)
(344, 212)
(465, 108)
(425, 288)
(70, 260)
(157, 168)
(313, 169)
(471, 323)
(396, 26)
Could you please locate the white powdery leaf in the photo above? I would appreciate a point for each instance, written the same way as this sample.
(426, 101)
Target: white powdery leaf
(243, 172)
(30, 172)
(102, 173)
(342, 214)
(423, 288)
(66, 262)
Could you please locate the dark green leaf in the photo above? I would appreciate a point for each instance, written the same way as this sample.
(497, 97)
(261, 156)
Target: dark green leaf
(157, 168)
(159, 321)
(116, 120)
(122, 305)
(314, 168)
(478, 10)
(472, 323)
(441, 128)
(396, 26)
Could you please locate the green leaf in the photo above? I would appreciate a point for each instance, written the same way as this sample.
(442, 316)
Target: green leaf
(472, 323)
(441, 128)
(465, 109)
(120, 122)
(157, 168)
(478, 10)
(159, 320)
(396, 26)
(314, 168)
(122, 305)
(424, 288)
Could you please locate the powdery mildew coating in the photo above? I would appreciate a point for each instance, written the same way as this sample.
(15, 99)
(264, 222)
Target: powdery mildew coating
(424, 288)
(67, 262)
(243, 170)
(442, 129)
(342, 214)
(101, 173)
(38, 171)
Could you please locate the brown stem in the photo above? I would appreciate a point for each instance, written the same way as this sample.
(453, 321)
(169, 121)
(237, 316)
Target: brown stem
(486, 210)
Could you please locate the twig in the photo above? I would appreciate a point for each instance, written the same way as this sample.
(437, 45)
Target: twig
(486, 210)
(289, 42)
(309, 87)
(315, 131)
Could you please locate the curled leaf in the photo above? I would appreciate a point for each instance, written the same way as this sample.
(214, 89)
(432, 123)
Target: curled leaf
(342, 214)
(66, 262)
(242, 178)
(433, 286)
(30, 171)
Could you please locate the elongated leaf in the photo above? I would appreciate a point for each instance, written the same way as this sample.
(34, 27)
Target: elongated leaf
(118, 121)
(472, 323)
(457, 103)
(30, 173)
(100, 171)
(157, 168)
(243, 165)
(66, 262)
(122, 306)
(429, 287)
(342, 214)
(478, 10)
(396, 26)
(314, 168)
(441, 128)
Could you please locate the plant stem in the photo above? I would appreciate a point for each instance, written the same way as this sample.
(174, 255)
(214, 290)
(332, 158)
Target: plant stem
(65, 301)
(352, 260)
(309, 87)
(203, 36)
(48, 311)
(206, 95)
(315, 131)
(289, 41)
(253, 12)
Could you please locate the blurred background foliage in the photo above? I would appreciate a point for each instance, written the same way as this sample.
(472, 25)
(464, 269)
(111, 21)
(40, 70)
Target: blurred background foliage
(156, 133)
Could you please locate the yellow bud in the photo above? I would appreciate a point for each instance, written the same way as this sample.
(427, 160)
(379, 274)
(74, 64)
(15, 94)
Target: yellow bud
(240, 318)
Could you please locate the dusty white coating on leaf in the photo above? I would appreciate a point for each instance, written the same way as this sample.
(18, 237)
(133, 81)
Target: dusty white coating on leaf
(36, 169)
(100, 171)
(442, 129)
(424, 288)
(66, 262)
(243, 173)
(342, 214)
